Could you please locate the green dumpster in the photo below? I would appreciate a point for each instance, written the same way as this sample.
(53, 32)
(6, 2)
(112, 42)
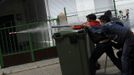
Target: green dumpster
(73, 52)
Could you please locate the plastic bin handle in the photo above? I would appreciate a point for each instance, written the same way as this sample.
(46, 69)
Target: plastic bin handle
(57, 35)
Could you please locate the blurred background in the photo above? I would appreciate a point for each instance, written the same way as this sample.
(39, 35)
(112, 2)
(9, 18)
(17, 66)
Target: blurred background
(26, 26)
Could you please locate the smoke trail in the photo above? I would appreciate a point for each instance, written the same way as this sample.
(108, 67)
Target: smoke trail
(38, 29)
(41, 29)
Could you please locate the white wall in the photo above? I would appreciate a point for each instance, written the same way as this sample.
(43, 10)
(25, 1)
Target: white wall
(73, 7)
(24, 9)
(55, 7)
(85, 5)
(102, 5)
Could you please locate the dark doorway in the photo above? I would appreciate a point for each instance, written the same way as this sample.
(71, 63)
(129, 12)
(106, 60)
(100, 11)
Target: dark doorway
(8, 43)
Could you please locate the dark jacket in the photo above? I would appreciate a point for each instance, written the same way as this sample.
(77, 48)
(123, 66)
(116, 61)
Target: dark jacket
(95, 34)
(115, 32)
(112, 30)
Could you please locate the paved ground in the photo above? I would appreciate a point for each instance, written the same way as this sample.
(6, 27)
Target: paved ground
(52, 67)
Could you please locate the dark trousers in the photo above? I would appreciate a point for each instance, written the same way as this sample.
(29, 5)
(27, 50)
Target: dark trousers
(98, 51)
(128, 56)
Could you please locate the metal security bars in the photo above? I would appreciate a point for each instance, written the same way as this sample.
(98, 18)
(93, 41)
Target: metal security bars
(24, 38)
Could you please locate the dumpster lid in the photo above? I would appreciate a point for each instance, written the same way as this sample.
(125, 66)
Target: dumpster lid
(62, 34)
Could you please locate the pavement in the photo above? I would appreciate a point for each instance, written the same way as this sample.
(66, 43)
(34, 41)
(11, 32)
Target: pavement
(52, 67)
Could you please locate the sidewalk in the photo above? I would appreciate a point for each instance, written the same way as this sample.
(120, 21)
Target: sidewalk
(52, 67)
(44, 67)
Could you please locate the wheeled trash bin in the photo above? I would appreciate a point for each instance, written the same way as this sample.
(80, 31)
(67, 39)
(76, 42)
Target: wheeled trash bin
(74, 50)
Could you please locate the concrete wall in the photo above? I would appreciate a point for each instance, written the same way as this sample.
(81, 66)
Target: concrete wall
(35, 10)
(12, 7)
(24, 10)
